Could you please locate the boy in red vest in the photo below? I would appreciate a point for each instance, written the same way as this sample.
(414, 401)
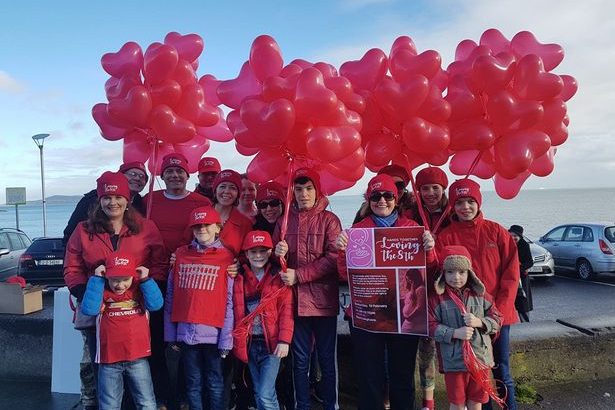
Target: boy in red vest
(198, 312)
(268, 336)
(123, 344)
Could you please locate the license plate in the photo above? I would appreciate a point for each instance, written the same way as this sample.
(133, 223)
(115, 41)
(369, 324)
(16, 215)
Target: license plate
(50, 262)
(535, 269)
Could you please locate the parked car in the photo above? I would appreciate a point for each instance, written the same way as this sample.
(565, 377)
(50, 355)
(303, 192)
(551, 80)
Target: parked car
(43, 262)
(587, 248)
(13, 243)
(544, 266)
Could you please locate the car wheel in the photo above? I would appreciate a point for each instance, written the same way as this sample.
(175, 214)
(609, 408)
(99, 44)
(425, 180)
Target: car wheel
(584, 269)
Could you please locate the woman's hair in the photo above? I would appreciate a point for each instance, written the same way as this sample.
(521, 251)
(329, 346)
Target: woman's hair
(98, 221)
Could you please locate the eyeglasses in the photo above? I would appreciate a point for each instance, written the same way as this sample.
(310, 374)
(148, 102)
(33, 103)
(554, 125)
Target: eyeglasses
(273, 203)
(388, 196)
(400, 185)
(133, 174)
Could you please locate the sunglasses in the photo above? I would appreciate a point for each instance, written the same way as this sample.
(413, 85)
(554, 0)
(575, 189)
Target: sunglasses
(388, 196)
(273, 203)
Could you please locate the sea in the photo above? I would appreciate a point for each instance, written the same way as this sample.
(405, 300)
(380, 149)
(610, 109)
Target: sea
(536, 210)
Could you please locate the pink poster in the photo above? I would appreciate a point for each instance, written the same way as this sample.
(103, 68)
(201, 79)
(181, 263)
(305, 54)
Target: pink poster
(386, 274)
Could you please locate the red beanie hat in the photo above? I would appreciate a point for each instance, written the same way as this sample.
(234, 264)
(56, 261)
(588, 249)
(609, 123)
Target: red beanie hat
(254, 239)
(381, 183)
(130, 165)
(174, 159)
(209, 164)
(395, 170)
(463, 188)
(120, 264)
(113, 183)
(431, 175)
(228, 175)
(204, 215)
(310, 174)
(270, 190)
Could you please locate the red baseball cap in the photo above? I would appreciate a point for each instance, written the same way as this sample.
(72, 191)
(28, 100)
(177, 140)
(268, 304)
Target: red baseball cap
(174, 159)
(209, 164)
(113, 183)
(119, 264)
(465, 188)
(431, 175)
(255, 239)
(204, 215)
(270, 190)
(381, 183)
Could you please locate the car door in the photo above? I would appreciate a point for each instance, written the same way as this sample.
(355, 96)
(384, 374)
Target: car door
(552, 242)
(571, 248)
(5, 260)
(18, 246)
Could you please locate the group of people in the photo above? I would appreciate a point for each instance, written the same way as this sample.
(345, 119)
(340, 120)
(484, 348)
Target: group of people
(192, 305)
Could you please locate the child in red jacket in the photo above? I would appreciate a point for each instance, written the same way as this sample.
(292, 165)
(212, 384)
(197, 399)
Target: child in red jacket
(121, 305)
(270, 332)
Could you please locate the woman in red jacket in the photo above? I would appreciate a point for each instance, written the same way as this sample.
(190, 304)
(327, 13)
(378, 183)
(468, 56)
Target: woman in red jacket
(113, 225)
(494, 257)
(369, 347)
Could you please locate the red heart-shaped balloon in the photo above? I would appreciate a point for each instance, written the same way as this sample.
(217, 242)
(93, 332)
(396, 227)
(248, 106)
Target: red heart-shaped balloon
(404, 64)
(313, 101)
(193, 107)
(471, 134)
(382, 146)
(271, 123)
(515, 152)
(424, 137)
(402, 100)
(349, 168)
(280, 87)
(115, 88)
(219, 132)
(367, 72)
(167, 92)
(267, 165)
(184, 74)
(108, 129)
(159, 62)
(570, 87)
(462, 161)
(210, 84)
(491, 74)
(403, 43)
(327, 70)
(127, 61)
(193, 150)
(533, 83)
(435, 108)
(233, 92)
(265, 58)
(506, 112)
(524, 43)
(543, 165)
(132, 110)
(495, 40)
(189, 46)
(464, 103)
(170, 127)
(332, 144)
(136, 147)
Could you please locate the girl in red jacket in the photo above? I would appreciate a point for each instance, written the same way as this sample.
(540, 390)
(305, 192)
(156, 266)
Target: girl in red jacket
(271, 332)
(494, 255)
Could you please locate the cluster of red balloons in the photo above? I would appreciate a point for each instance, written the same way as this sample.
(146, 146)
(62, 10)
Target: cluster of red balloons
(156, 103)
(302, 112)
(508, 109)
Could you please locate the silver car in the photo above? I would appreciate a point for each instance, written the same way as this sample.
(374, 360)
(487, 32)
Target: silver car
(587, 248)
(12, 244)
(544, 266)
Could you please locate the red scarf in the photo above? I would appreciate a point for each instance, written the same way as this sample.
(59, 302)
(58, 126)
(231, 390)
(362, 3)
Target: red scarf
(200, 285)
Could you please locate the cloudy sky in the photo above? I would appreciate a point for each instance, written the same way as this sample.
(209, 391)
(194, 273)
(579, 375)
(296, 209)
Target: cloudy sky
(50, 73)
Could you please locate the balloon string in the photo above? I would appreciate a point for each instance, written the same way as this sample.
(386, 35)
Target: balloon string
(289, 197)
(479, 371)
(243, 330)
(153, 157)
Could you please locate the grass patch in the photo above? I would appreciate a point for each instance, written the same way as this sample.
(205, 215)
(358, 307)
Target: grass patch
(526, 393)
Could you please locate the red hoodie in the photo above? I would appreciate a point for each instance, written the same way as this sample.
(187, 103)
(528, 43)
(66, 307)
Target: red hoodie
(494, 259)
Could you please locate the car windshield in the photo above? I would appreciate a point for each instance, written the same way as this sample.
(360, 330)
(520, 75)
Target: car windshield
(46, 245)
(609, 233)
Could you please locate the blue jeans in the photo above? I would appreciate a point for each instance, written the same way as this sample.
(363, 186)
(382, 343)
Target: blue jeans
(264, 370)
(203, 369)
(111, 385)
(501, 371)
(322, 330)
(380, 358)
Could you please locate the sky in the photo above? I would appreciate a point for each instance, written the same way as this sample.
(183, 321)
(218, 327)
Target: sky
(50, 72)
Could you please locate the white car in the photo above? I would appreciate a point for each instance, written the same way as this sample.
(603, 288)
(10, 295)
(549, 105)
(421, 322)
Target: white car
(544, 265)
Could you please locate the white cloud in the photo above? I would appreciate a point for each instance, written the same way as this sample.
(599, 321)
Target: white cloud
(10, 84)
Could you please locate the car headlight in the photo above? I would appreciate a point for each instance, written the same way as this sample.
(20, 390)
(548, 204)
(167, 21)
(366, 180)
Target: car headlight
(548, 256)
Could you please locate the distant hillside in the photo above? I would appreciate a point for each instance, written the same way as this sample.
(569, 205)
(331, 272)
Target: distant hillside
(58, 199)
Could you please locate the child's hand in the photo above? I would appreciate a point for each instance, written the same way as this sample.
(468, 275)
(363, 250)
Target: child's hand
(342, 241)
(233, 269)
(172, 259)
(289, 277)
(463, 333)
(470, 320)
(100, 271)
(428, 241)
(281, 350)
(224, 353)
(281, 249)
(143, 272)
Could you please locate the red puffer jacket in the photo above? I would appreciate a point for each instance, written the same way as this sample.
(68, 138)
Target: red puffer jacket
(277, 319)
(494, 259)
(311, 239)
(234, 230)
(85, 252)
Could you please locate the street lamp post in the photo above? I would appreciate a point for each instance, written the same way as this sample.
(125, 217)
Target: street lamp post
(39, 139)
